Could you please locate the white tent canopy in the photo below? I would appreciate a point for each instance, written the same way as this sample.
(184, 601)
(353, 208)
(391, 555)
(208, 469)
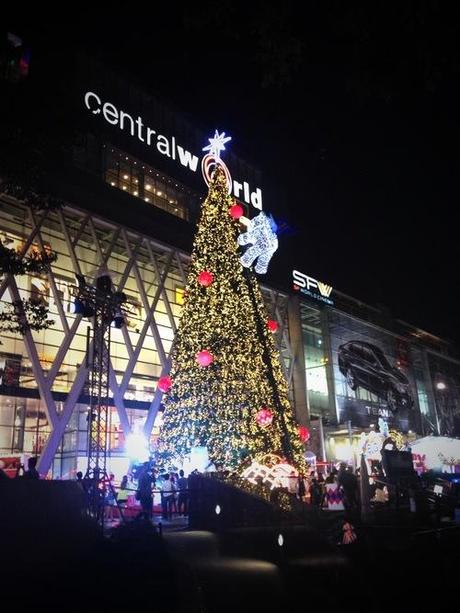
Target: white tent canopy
(438, 449)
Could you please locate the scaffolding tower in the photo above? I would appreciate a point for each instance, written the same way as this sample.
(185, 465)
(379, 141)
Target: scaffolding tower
(104, 306)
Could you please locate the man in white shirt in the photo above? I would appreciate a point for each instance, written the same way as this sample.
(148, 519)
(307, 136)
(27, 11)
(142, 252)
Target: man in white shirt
(166, 496)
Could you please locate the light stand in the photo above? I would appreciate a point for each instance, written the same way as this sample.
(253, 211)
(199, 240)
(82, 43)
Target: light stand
(104, 305)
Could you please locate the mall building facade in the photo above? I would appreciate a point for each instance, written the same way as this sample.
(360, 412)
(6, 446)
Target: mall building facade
(129, 180)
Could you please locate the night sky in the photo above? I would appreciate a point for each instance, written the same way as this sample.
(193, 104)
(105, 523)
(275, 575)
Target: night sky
(352, 114)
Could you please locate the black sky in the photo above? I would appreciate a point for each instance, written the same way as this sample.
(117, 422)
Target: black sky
(351, 112)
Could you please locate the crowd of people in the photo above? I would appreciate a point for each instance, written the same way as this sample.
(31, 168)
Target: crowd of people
(312, 488)
(172, 488)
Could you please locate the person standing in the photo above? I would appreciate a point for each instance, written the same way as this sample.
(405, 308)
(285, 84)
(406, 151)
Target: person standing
(123, 491)
(316, 494)
(144, 492)
(173, 477)
(182, 484)
(322, 485)
(293, 483)
(349, 484)
(32, 472)
(80, 482)
(110, 501)
(166, 496)
(301, 490)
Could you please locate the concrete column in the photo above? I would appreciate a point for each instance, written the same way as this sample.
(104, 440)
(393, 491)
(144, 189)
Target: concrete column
(299, 382)
(321, 439)
(430, 392)
(333, 412)
(350, 440)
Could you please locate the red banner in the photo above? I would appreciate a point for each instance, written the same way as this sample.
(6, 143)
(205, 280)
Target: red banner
(10, 466)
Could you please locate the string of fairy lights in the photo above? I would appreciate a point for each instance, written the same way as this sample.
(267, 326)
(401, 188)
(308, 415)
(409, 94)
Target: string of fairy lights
(225, 390)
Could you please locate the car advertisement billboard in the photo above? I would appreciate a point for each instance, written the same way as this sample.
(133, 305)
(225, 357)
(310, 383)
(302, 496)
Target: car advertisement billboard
(372, 375)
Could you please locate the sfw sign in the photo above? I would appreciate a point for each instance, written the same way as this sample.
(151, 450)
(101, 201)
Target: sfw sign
(165, 145)
(311, 287)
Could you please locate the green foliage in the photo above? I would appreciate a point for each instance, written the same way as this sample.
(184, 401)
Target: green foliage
(37, 200)
(23, 315)
(37, 262)
(26, 314)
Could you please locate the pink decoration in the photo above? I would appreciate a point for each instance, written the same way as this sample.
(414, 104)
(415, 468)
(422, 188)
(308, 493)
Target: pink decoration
(304, 433)
(264, 417)
(236, 211)
(272, 325)
(204, 358)
(205, 278)
(164, 384)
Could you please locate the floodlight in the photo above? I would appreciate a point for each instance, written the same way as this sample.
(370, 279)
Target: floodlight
(137, 447)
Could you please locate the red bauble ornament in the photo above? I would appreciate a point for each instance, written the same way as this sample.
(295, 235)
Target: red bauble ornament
(236, 211)
(272, 325)
(205, 278)
(204, 358)
(264, 417)
(304, 433)
(164, 384)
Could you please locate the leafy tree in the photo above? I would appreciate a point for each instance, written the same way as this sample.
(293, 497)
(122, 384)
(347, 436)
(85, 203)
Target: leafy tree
(31, 313)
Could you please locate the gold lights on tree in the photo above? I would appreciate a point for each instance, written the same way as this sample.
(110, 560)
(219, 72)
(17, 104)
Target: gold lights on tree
(216, 405)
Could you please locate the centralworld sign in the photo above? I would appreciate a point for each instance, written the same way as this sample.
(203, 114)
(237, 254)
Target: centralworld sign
(166, 145)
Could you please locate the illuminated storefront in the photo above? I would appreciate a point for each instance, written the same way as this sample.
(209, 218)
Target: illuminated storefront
(361, 366)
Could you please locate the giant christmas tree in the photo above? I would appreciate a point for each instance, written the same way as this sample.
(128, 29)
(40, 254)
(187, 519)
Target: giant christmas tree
(227, 390)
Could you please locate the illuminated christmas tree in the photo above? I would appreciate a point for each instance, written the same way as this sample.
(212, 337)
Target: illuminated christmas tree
(226, 390)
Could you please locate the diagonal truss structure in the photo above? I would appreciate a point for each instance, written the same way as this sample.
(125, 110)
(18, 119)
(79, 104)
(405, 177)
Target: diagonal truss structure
(151, 273)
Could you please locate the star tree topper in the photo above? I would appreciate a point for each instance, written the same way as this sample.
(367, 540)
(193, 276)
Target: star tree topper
(217, 144)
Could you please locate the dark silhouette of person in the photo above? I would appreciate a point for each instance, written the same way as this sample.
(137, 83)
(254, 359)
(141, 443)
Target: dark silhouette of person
(182, 484)
(349, 484)
(316, 493)
(167, 494)
(301, 487)
(31, 472)
(144, 488)
(123, 491)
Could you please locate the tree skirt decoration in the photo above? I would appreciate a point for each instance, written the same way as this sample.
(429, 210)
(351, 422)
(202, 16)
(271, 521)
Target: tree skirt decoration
(270, 470)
